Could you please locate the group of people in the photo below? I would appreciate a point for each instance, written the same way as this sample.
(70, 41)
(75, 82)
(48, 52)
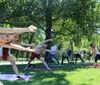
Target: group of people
(9, 40)
(94, 53)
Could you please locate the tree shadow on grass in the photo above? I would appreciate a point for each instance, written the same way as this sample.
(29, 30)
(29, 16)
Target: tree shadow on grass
(43, 77)
(83, 84)
(40, 78)
(72, 66)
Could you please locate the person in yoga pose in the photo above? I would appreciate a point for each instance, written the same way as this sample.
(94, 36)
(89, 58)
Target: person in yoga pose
(5, 52)
(36, 53)
(95, 51)
(52, 53)
(5, 55)
(78, 55)
(7, 42)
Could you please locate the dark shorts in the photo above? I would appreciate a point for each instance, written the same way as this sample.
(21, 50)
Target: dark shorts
(98, 56)
(4, 57)
(5, 53)
(34, 55)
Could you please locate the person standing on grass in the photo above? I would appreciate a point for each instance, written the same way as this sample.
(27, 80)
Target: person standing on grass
(36, 53)
(78, 55)
(95, 51)
(5, 54)
(7, 42)
(52, 53)
(66, 54)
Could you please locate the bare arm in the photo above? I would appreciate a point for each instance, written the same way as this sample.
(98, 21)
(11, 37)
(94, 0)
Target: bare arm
(58, 43)
(47, 50)
(18, 43)
(18, 30)
(24, 44)
(29, 45)
(60, 51)
(93, 50)
(46, 41)
(55, 51)
(17, 47)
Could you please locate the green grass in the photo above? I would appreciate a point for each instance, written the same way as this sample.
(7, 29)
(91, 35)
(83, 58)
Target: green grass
(68, 74)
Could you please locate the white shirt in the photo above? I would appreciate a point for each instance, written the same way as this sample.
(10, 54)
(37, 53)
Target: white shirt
(97, 51)
(53, 50)
(80, 52)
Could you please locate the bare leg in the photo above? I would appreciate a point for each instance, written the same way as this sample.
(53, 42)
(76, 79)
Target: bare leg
(1, 83)
(28, 64)
(13, 65)
(43, 61)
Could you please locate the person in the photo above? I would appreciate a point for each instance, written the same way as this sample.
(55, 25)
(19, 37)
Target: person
(52, 53)
(36, 54)
(5, 51)
(10, 41)
(78, 55)
(7, 41)
(66, 54)
(84, 55)
(18, 30)
(90, 56)
(5, 54)
(95, 51)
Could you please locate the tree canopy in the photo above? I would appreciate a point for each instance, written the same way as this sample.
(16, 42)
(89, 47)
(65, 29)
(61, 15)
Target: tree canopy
(63, 20)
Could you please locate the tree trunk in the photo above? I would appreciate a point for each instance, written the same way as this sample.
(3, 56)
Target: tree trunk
(48, 14)
(72, 51)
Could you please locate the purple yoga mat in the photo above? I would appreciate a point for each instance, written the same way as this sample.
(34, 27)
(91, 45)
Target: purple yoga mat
(42, 69)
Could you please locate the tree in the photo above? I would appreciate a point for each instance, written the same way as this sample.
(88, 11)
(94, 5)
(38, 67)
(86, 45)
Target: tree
(64, 19)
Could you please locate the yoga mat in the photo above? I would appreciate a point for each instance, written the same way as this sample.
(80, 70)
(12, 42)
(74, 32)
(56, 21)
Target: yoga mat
(45, 69)
(13, 77)
(91, 66)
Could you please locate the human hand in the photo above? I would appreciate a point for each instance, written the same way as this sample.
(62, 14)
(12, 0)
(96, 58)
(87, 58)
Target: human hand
(32, 28)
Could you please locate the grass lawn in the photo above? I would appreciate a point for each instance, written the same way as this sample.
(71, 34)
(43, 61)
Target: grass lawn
(68, 74)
